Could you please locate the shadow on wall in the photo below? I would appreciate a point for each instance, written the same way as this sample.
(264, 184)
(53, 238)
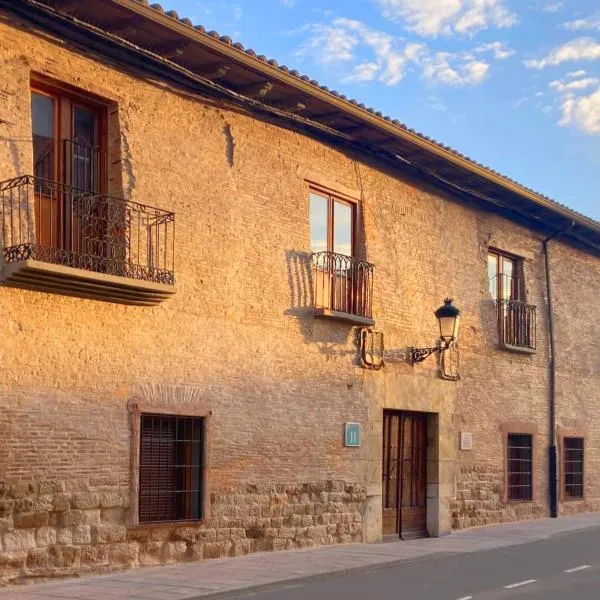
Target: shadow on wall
(331, 337)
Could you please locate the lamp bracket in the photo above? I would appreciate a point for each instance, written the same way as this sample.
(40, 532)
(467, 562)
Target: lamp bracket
(420, 354)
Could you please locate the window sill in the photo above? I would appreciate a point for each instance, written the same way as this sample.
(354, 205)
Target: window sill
(342, 316)
(518, 349)
(69, 281)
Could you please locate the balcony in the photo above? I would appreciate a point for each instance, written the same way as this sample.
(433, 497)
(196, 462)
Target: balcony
(59, 238)
(517, 325)
(342, 287)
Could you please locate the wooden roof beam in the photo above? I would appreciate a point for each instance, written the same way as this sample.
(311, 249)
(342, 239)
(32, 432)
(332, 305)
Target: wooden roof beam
(121, 26)
(171, 49)
(213, 71)
(257, 90)
(291, 105)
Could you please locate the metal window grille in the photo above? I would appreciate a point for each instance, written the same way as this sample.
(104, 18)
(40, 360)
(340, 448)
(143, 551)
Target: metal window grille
(573, 467)
(171, 468)
(520, 453)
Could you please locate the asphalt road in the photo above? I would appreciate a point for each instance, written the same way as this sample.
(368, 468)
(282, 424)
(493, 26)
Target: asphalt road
(561, 567)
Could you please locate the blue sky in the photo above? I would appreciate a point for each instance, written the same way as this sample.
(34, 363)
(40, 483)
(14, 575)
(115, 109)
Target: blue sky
(514, 84)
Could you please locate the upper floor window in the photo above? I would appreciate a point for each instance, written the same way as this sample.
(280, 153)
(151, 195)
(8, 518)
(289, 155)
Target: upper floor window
(504, 274)
(69, 139)
(342, 283)
(516, 318)
(332, 224)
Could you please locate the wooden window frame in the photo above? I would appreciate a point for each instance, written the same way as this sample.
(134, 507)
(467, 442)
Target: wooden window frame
(333, 197)
(510, 499)
(518, 274)
(136, 407)
(66, 99)
(519, 428)
(564, 497)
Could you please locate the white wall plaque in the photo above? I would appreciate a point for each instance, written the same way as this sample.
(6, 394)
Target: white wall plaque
(466, 440)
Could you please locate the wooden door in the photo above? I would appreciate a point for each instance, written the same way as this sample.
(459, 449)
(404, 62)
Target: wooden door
(404, 474)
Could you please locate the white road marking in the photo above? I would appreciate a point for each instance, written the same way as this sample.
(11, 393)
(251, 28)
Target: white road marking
(466, 598)
(519, 584)
(575, 569)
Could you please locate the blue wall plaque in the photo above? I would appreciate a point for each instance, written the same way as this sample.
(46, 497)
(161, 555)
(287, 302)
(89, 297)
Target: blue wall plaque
(352, 435)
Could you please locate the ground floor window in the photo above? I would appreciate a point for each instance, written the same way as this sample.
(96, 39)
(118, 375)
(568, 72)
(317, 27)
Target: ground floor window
(573, 466)
(171, 468)
(519, 463)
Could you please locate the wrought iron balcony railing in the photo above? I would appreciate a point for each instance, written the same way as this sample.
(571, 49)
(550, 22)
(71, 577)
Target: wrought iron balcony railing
(517, 324)
(342, 285)
(60, 224)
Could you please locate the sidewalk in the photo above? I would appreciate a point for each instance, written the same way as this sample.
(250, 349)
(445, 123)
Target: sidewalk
(231, 576)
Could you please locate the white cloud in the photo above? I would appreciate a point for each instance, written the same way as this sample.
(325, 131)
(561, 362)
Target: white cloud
(563, 87)
(578, 102)
(435, 17)
(362, 73)
(328, 44)
(498, 48)
(287, 3)
(580, 73)
(584, 48)
(237, 12)
(438, 68)
(343, 41)
(588, 23)
(554, 7)
(582, 112)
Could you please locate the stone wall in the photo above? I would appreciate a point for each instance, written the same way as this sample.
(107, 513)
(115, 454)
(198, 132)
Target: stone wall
(48, 531)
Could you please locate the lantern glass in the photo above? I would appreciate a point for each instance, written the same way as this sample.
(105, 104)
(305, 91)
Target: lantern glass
(448, 317)
(449, 328)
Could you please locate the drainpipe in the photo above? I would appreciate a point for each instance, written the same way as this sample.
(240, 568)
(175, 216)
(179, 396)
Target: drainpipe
(552, 458)
(552, 451)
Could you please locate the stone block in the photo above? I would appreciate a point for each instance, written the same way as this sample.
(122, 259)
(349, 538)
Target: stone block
(94, 555)
(43, 503)
(150, 553)
(72, 518)
(217, 549)
(240, 548)
(50, 486)
(6, 507)
(23, 489)
(110, 499)
(115, 514)
(30, 520)
(11, 564)
(123, 554)
(108, 534)
(174, 552)
(45, 536)
(64, 536)
(19, 541)
(61, 502)
(81, 534)
(64, 556)
(37, 558)
(196, 551)
(85, 501)
(25, 505)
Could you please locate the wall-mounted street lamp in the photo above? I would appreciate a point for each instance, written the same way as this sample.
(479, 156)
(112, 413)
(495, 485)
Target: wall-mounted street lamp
(448, 317)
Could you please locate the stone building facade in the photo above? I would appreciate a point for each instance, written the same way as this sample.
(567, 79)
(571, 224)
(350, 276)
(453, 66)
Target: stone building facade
(89, 355)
